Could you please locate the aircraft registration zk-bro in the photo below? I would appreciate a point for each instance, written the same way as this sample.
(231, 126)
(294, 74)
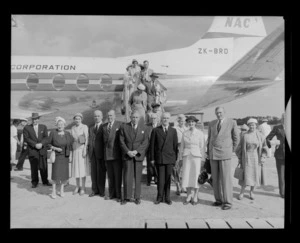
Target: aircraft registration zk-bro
(235, 57)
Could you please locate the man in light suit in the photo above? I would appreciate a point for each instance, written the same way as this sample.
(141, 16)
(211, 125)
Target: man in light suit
(164, 152)
(36, 137)
(222, 139)
(134, 142)
(279, 154)
(96, 155)
(113, 155)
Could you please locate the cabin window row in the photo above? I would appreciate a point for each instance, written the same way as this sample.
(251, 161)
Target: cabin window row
(59, 81)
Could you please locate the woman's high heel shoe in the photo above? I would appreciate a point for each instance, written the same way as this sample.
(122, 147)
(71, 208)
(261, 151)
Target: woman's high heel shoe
(82, 192)
(194, 202)
(186, 202)
(76, 190)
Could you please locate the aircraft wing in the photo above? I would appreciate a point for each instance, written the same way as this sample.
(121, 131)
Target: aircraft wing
(264, 62)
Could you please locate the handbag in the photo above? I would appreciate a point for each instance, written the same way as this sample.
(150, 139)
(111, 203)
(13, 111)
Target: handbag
(239, 172)
(206, 166)
(263, 180)
(52, 157)
(203, 177)
(81, 139)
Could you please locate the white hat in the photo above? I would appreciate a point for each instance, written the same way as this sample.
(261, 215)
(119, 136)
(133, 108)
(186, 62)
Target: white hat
(141, 87)
(23, 119)
(244, 127)
(58, 118)
(252, 120)
(78, 114)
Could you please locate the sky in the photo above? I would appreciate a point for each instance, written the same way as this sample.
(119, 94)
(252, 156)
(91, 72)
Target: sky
(115, 36)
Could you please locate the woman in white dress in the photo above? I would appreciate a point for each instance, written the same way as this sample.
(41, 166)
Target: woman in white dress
(80, 167)
(13, 141)
(192, 152)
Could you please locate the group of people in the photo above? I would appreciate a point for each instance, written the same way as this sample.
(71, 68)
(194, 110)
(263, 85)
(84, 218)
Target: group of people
(118, 149)
(142, 90)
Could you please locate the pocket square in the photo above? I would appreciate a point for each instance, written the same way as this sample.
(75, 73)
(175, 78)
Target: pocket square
(142, 131)
(117, 129)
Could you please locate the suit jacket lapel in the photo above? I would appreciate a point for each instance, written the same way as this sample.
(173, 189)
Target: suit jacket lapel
(112, 130)
(223, 126)
(168, 135)
(130, 131)
(161, 132)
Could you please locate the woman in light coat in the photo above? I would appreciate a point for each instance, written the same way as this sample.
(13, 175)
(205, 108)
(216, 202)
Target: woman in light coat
(192, 152)
(14, 141)
(251, 153)
(80, 165)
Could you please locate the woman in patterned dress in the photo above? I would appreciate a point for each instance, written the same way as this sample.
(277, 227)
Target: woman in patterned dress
(80, 165)
(61, 142)
(251, 152)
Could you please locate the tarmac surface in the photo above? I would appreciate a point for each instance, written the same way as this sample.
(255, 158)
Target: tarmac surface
(33, 208)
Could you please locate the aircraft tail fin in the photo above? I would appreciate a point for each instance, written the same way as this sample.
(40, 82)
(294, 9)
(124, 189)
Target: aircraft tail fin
(225, 27)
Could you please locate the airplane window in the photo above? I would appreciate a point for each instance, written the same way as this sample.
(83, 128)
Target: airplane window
(82, 82)
(32, 81)
(59, 81)
(106, 79)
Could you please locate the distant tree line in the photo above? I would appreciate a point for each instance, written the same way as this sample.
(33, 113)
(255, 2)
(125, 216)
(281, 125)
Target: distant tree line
(272, 120)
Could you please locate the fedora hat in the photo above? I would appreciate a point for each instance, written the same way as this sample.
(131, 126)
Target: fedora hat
(265, 120)
(153, 75)
(35, 115)
(189, 118)
(155, 105)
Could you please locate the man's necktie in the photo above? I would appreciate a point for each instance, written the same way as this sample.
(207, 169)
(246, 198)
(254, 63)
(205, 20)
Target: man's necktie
(96, 128)
(166, 131)
(36, 130)
(109, 128)
(219, 126)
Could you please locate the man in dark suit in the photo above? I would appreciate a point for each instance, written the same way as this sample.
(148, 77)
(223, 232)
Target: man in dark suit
(223, 138)
(151, 169)
(36, 137)
(279, 132)
(164, 151)
(134, 142)
(96, 155)
(113, 155)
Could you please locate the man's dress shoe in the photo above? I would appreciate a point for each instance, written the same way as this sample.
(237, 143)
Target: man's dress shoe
(34, 186)
(217, 204)
(137, 201)
(157, 201)
(169, 202)
(226, 207)
(47, 184)
(93, 194)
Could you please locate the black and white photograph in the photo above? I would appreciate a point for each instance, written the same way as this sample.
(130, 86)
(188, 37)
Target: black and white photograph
(148, 122)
